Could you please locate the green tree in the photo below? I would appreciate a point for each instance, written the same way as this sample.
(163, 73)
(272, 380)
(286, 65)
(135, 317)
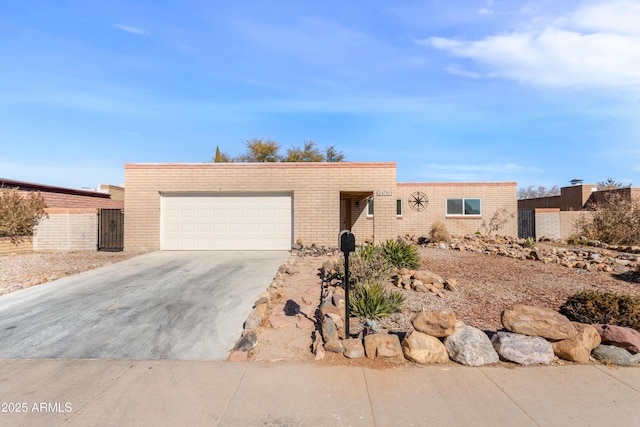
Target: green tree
(221, 157)
(333, 155)
(20, 212)
(260, 150)
(309, 153)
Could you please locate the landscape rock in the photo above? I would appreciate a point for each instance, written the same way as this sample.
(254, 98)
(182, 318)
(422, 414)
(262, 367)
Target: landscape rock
(317, 347)
(253, 321)
(426, 277)
(338, 300)
(537, 321)
(385, 347)
(451, 285)
(578, 348)
(247, 343)
(353, 348)
(522, 349)
(330, 309)
(627, 338)
(334, 346)
(435, 323)
(615, 355)
(329, 330)
(470, 346)
(337, 319)
(424, 349)
(418, 286)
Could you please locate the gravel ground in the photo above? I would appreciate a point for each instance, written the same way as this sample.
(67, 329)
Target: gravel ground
(25, 270)
(487, 284)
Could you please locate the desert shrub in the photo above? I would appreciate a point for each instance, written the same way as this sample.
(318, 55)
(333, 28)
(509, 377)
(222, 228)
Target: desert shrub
(529, 242)
(593, 306)
(373, 301)
(364, 265)
(20, 212)
(615, 221)
(576, 239)
(368, 252)
(439, 232)
(401, 254)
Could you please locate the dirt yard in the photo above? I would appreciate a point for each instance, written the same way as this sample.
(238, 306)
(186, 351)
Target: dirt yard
(25, 270)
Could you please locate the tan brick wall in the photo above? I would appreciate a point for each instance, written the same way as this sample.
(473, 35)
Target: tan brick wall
(67, 230)
(22, 246)
(60, 200)
(117, 193)
(316, 189)
(548, 223)
(568, 222)
(493, 197)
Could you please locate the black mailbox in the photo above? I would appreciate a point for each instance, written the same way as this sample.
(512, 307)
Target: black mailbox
(347, 241)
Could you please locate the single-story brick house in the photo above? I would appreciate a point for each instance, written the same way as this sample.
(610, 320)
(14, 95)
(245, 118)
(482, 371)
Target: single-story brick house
(245, 206)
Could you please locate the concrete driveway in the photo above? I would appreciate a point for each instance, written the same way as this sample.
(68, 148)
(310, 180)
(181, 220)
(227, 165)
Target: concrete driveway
(161, 305)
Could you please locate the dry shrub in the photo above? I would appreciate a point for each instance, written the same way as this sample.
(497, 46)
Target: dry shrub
(498, 220)
(615, 221)
(439, 232)
(593, 306)
(20, 212)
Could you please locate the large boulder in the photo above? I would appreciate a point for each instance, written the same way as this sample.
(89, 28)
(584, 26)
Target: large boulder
(537, 321)
(470, 346)
(384, 347)
(435, 323)
(578, 348)
(615, 355)
(522, 349)
(627, 338)
(424, 349)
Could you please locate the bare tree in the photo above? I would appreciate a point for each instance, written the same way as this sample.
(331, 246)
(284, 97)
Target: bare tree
(531, 192)
(610, 184)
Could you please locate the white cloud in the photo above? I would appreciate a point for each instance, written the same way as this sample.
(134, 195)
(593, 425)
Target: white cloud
(132, 30)
(485, 11)
(598, 45)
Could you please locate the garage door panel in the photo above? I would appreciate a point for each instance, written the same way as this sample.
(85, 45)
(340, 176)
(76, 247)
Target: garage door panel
(226, 222)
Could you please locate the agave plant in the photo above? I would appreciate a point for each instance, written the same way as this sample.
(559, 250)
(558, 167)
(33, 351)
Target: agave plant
(373, 301)
(401, 254)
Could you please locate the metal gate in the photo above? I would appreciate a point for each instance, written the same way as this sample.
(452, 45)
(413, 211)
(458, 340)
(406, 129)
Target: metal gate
(110, 230)
(526, 223)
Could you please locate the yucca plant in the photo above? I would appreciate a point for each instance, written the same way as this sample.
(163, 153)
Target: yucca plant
(401, 254)
(373, 301)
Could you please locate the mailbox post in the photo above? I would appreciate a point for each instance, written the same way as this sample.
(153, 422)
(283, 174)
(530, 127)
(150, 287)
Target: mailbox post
(347, 242)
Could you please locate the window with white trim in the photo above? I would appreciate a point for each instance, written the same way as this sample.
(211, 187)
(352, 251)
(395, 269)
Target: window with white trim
(398, 207)
(370, 207)
(464, 207)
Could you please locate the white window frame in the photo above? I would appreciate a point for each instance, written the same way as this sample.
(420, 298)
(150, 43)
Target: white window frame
(370, 208)
(463, 199)
(399, 205)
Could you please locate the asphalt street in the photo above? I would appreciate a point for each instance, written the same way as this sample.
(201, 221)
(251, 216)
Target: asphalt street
(161, 305)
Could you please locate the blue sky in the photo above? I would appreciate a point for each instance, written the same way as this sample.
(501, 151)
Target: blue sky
(537, 92)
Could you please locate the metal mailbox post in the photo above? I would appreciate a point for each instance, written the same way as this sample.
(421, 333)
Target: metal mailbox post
(347, 242)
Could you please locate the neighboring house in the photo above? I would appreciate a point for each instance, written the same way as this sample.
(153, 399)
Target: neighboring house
(555, 216)
(250, 206)
(72, 219)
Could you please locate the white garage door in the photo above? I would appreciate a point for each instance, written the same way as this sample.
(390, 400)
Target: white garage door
(226, 222)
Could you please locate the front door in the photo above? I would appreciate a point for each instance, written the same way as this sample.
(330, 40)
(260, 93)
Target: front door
(345, 214)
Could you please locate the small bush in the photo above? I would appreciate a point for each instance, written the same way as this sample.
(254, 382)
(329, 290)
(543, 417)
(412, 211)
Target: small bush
(368, 263)
(373, 301)
(592, 306)
(498, 221)
(20, 212)
(615, 221)
(529, 242)
(576, 239)
(401, 254)
(439, 232)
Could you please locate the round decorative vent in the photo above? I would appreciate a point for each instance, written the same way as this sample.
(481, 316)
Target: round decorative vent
(418, 201)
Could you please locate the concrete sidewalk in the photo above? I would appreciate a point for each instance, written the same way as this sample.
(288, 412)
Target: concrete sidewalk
(182, 393)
